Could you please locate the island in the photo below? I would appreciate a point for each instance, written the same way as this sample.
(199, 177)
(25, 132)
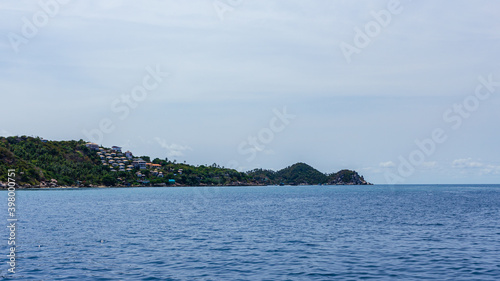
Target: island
(40, 163)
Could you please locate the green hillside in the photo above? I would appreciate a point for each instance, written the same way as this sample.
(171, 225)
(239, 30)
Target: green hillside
(36, 161)
(303, 174)
(300, 173)
(41, 163)
(346, 177)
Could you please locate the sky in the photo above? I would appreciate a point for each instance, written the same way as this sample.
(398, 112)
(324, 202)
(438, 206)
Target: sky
(403, 92)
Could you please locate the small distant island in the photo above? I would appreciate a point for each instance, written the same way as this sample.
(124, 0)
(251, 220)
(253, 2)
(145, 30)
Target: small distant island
(40, 163)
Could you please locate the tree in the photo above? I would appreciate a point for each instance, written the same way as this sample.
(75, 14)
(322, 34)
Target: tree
(109, 180)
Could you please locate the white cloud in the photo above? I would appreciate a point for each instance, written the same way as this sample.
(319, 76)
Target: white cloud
(466, 163)
(371, 170)
(472, 166)
(429, 165)
(226, 75)
(388, 164)
(173, 150)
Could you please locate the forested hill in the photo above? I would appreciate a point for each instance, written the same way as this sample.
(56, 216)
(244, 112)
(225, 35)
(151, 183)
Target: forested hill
(41, 163)
(301, 173)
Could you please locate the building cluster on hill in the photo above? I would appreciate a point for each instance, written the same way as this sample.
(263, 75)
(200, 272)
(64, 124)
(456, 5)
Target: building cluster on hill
(123, 162)
(114, 158)
(43, 163)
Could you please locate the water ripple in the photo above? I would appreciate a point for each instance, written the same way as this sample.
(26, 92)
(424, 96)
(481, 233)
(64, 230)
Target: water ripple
(260, 233)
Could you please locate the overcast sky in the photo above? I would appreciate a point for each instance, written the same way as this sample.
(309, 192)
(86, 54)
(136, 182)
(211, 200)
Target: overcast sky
(401, 91)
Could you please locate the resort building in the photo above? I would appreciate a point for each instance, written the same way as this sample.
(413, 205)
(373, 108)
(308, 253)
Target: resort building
(153, 166)
(139, 163)
(129, 155)
(117, 149)
(92, 145)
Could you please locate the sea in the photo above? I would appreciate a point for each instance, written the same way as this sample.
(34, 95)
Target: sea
(379, 232)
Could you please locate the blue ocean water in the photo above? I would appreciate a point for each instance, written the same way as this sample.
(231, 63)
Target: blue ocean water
(440, 232)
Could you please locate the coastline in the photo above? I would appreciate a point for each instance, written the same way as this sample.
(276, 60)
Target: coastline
(23, 187)
(74, 164)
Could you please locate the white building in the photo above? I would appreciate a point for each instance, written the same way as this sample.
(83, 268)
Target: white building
(117, 149)
(129, 155)
(139, 163)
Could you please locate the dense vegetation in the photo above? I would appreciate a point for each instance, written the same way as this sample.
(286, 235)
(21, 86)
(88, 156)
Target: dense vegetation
(71, 163)
(301, 173)
(36, 161)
